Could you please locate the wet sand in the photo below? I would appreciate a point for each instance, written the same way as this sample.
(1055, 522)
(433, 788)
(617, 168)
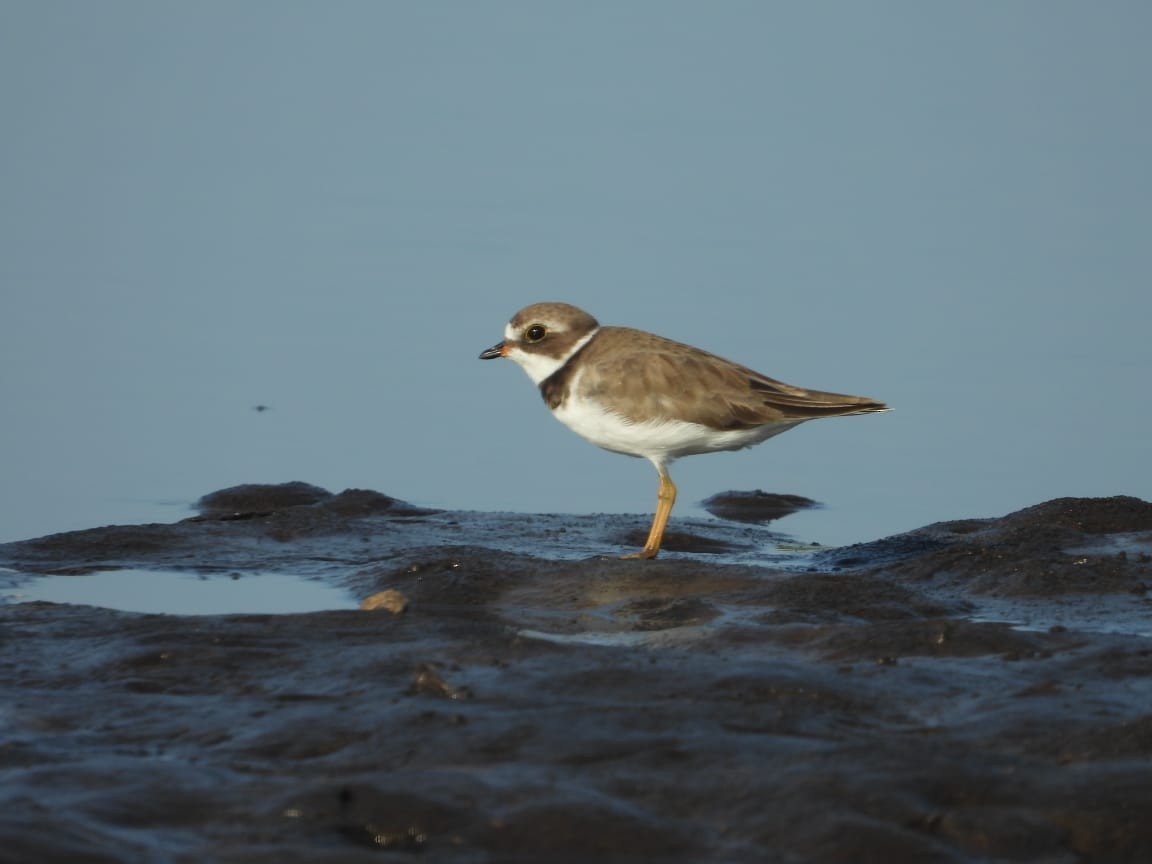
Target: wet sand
(525, 703)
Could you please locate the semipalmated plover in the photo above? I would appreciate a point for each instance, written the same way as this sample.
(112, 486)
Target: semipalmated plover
(640, 394)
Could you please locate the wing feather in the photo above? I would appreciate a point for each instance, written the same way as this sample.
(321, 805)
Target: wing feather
(656, 377)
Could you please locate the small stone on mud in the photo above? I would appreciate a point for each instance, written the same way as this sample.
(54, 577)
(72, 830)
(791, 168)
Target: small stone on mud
(391, 600)
(427, 681)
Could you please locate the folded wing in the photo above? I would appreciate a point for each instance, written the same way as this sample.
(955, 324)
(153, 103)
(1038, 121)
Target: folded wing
(662, 378)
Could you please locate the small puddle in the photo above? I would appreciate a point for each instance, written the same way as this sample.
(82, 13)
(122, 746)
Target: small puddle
(1114, 616)
(175, 592)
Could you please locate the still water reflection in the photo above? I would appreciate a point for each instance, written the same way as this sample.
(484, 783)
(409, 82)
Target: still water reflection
(183, 593)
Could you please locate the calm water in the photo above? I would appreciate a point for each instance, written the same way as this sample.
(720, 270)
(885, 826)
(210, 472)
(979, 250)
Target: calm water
(209, 208)
(180, 593)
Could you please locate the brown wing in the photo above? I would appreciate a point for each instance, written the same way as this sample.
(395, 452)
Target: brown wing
(657, 377)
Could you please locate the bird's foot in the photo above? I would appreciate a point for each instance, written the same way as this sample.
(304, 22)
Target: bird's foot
(642, 555)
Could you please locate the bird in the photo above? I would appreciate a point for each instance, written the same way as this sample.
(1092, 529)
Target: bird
(639, 394)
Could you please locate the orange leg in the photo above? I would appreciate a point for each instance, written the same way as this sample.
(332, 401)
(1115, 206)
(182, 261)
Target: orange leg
(665, 499)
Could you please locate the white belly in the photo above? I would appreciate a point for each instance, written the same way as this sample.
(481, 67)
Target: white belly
(660, 441)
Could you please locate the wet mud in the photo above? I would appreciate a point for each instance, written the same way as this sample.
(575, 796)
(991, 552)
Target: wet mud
(973, 691)
(756, 506)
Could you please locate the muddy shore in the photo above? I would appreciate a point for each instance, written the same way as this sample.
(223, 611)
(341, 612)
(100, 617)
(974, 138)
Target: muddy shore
(973, 691)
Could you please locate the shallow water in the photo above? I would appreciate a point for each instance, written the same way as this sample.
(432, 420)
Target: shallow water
(1126, 615)
(173, 592)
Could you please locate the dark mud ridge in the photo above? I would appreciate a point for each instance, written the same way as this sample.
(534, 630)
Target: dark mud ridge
(970, 692)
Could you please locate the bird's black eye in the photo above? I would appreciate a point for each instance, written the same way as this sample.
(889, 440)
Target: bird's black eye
(535, 333)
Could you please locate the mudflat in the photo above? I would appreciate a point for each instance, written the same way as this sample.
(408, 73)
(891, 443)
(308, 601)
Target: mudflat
(972, 691)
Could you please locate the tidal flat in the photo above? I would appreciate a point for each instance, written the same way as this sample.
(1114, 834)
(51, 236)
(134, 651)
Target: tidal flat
(972, 691)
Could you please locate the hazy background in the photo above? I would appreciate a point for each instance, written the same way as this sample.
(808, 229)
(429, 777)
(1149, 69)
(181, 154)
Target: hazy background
(331, 208)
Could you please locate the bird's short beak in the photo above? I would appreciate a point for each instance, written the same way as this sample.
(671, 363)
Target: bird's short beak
(497, 350)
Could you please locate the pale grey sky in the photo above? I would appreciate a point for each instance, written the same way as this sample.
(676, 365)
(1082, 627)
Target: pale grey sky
(331, 208)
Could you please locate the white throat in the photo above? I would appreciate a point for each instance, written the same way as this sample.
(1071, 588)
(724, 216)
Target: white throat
(540, 367)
